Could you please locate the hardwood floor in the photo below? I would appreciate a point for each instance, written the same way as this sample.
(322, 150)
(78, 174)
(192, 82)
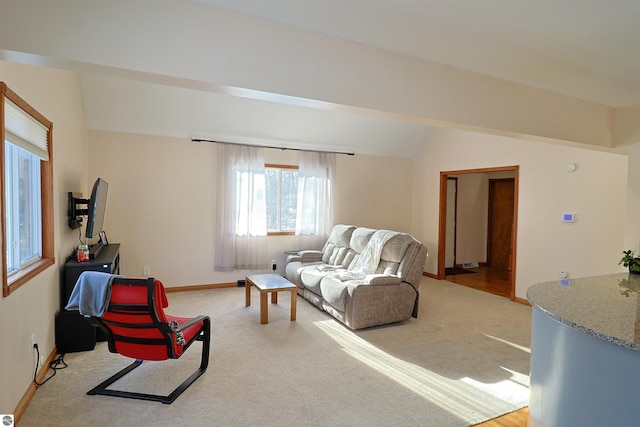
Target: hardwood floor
(497, 282)
(488, 279)
(513, 419)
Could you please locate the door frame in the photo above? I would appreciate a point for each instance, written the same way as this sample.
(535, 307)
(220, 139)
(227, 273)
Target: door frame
(452, 213)
(442, 224)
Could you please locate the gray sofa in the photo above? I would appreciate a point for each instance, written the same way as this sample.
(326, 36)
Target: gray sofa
(363, 277)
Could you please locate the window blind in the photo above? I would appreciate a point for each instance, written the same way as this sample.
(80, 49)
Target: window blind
(25, 131)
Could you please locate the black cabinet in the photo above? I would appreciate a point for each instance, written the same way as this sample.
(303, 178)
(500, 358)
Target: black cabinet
(107, 261)
(73, 332)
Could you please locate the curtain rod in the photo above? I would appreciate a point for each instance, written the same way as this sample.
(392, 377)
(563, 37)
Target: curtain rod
(268, 146)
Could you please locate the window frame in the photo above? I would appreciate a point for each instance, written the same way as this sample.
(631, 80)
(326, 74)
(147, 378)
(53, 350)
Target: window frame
(289, 167)
(24, 275)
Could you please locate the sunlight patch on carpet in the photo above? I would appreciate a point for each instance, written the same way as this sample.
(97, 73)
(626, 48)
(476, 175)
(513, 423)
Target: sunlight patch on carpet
(513, 388)
(519, 347)
(466, 399)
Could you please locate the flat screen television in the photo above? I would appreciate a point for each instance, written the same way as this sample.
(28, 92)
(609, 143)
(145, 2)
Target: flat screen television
(96, 207)
(93, 208)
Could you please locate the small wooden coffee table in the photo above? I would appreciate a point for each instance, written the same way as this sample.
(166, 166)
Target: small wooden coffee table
(273, 283)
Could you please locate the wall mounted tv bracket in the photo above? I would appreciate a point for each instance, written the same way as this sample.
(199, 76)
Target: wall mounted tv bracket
(78, 207)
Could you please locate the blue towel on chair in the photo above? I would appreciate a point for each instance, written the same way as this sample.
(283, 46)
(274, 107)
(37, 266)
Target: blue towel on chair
(91, 294)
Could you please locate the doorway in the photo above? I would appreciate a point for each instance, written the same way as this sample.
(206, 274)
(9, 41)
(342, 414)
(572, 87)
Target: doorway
(492, 235)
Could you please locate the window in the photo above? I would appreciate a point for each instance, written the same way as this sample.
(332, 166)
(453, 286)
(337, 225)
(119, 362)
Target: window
(282, 198)
(23, 219)
(27, 205)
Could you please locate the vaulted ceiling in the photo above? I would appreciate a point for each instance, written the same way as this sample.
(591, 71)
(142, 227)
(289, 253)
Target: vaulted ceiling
(588, 51)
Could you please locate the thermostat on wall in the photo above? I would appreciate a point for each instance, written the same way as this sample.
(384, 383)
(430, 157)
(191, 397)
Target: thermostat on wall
(568, 217)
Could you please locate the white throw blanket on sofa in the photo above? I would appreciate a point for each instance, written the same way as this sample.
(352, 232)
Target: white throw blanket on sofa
(368, 261)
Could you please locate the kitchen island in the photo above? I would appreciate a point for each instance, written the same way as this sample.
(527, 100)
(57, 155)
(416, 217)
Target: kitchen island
(585, 352)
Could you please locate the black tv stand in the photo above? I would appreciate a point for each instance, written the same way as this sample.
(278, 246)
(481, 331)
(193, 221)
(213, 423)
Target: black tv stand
(73, 332)
(95, 249)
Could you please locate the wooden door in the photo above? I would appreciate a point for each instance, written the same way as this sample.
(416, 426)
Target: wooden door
(500, 235)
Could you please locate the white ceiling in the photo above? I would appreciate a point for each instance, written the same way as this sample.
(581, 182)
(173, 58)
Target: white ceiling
(584, 49)
(156, 109)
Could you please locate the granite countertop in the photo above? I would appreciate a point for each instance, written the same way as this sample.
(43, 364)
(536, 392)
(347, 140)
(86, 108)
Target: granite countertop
(606, 307)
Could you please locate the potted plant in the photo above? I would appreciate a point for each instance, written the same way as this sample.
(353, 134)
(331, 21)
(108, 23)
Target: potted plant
(631, 260)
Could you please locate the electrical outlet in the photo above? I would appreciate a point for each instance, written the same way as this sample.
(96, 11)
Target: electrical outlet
(33, 341)
(273, 264)
(146, 270)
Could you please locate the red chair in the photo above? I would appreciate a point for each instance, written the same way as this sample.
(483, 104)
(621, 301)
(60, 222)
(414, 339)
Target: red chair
(136, 326)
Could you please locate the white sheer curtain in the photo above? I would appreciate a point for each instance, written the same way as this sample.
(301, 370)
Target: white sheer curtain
(316, 173)
(241, 226)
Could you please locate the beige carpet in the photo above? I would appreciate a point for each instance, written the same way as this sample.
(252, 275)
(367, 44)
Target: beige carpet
(463, 361)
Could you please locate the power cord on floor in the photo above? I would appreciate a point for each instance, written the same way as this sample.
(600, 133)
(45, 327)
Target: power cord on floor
(55, 365)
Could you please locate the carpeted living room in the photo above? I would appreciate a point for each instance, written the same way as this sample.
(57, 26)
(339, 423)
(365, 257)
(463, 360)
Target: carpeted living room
(464, 360)
(376, 105)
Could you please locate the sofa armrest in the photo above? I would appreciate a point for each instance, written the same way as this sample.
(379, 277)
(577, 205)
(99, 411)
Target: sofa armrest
(382, 279)
(305, 256)
(310, 253)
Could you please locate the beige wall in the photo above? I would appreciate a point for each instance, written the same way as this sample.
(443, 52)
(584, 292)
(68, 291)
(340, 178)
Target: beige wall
(596, 191)
(159, 205)
(375, 192)
(471, 241)
(632, 231)
(161, 202)
(31, 309)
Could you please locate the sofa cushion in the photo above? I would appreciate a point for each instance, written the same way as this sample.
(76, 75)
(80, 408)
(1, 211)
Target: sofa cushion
(328, 252)
(338, 256)
(336, 291)
(293, 272)
(335, 249)
(368, 260)
(396, 247)
(360, 237)
(348, 258)
(393, 252)
(312, 276)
